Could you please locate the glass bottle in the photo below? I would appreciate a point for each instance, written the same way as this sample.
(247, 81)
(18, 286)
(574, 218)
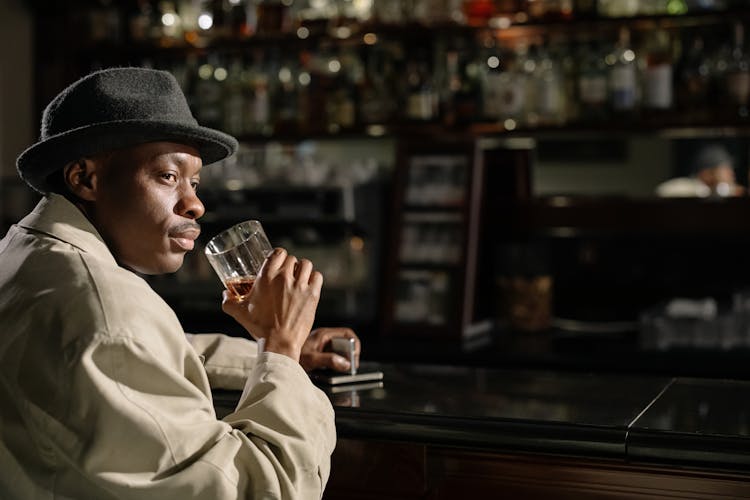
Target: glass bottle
(374, 102)
(492, 83)
(617, 8)
(421, 103)
(510, 89)
(258, 100)
(592, 84)
(208, 93)
(529, 62)
(738, 74)
(693, 80)
(234, 99)
(657, 75)
(468, 92)
(623, 78)
(550, 103)
(286, 98)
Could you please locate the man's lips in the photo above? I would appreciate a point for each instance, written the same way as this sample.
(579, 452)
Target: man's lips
(185, 235)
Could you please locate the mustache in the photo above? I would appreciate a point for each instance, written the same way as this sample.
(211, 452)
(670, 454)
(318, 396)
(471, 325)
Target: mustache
(185, 226)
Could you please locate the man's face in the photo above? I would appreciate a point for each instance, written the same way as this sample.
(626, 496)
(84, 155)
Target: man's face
(719, 174)
(146, 205)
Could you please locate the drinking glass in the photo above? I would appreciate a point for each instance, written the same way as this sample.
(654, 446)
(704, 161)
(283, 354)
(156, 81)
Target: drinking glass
(237, 254)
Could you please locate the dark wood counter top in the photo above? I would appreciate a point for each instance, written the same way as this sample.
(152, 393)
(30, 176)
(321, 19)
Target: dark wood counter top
(629, 418)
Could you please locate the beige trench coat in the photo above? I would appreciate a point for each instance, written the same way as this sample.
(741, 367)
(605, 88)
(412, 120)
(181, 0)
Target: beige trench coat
(102, 396)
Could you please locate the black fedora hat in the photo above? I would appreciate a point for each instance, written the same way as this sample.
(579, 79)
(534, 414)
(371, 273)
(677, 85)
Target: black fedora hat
(113, 109)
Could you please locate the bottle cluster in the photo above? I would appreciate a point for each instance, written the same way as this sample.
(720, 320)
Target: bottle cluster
(192, 20)
(667, 76)
(329, 66)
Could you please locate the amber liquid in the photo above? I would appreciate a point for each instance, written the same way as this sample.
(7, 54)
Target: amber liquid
(240, 287)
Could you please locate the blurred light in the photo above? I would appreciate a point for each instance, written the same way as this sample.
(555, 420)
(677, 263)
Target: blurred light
(235, 2)
(334, 65)
(610, 59)
(304, 78)
(234, 185)
(220, 74)
(205, 21)
(285, 75)
(168, 19)
(628, 55)
(375, 130)
(500, 23)
(356, 243)
(205, 71)
(370, 38)
(509, 124)
(343, 32)
(560, 201)
(303, 32)
(493, 62)
(677, 7)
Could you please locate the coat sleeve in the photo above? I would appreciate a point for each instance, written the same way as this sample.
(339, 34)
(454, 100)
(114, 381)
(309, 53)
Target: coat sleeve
(228, 360)
(138, 428)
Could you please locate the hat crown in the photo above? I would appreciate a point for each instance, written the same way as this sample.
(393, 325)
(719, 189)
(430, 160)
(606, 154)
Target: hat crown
(117, 95)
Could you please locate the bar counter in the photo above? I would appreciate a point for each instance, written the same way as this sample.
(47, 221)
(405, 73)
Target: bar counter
(435, 431)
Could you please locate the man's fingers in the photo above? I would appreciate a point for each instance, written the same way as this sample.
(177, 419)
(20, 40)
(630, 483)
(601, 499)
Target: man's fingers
(332, 361)
(304, 270)
(274, 261)
(316, 282)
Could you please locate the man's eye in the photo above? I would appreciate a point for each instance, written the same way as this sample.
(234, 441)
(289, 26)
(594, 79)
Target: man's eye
(195, 185)
(169, 176)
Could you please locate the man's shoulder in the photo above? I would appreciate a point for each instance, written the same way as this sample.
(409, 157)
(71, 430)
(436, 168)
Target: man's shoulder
(81, 287)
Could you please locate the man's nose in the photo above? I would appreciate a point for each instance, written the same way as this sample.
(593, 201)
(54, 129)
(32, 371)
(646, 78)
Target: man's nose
(190, 205)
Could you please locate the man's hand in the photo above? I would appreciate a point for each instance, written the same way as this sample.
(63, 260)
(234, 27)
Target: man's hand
(315, 356)
(281, 306)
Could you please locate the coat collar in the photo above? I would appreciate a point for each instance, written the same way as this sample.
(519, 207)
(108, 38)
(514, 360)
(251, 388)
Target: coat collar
(57, 217)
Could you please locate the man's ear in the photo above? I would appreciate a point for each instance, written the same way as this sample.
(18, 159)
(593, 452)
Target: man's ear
(81, 178)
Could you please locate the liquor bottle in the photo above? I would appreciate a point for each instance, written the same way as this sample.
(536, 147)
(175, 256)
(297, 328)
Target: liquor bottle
(617, 8)
(286, 98)
(492, 82)
(478, 12)
(738, 75)
(592, 84)
(421, 103)
(234, 99)
(653, 7)
(340, 108)
(585, 9)
(657, 75)
(257, 98)
(467, 95)
(208, 93)
(530, 61)
(171, 23)
(238, 19)
(693, 81)
(623, 78)
(549, 10)
(189, 10)
(549, 102)
(374, 102)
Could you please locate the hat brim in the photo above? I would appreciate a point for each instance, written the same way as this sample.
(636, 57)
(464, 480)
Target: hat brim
(37, 162)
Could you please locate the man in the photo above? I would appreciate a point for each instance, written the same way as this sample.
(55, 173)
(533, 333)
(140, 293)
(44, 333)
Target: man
(712, 174)
(102, 395)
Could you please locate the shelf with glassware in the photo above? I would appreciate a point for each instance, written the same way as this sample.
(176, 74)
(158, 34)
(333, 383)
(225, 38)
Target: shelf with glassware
(318, 201)
(429, 270)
